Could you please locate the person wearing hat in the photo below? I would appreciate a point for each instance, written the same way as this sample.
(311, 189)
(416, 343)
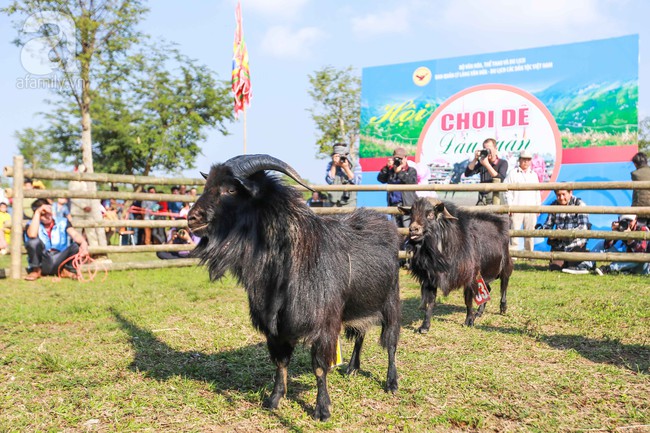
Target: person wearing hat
(342, 170)
(625, 224)
(523, 173)
(398, 171)
(487, 163)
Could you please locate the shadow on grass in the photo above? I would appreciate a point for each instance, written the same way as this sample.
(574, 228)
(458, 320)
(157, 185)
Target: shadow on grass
(412, 314)
(245, 370)
(634, 357)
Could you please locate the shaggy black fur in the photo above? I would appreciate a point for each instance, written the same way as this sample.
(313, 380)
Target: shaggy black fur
(306, 276)
(451, 247)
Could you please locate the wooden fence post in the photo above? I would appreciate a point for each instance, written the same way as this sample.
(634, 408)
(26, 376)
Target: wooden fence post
(17, 218)
(496, 195)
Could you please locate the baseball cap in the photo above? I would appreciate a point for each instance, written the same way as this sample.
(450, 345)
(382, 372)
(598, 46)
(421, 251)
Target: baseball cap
(400, 152)
(630, 217)
(524, 154)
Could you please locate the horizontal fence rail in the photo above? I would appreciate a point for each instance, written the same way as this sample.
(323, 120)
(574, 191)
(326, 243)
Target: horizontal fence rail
(18, 173)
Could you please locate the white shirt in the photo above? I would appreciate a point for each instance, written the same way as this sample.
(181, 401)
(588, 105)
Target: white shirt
(523, 198)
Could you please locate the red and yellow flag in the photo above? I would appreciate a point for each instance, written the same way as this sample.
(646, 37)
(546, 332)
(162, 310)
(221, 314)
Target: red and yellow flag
(241, 77)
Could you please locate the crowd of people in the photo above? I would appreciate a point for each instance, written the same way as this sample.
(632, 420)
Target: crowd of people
(50, 237)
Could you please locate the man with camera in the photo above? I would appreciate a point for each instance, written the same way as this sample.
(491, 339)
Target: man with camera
(625, 224)
(397, 171)
(178, 237)
(342, 170)
(487, 163)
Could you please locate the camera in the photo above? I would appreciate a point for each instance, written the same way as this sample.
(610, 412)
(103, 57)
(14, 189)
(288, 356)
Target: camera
(343, 158)
(623, 225)
(483, 153)
(181, 233)
(397, 160)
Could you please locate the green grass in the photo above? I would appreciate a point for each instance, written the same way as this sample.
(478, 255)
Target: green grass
(166, 350)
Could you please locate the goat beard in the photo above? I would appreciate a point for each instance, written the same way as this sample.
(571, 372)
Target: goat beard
(218, 255)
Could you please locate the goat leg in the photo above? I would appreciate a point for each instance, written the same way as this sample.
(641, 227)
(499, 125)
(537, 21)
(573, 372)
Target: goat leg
(469, 298)
(428, 295)
(504, 289)
(320, 366)
(390, 329)
(280, 353)
(355, 358)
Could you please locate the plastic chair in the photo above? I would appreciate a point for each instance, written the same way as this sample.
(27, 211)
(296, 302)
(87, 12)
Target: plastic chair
(129, 235)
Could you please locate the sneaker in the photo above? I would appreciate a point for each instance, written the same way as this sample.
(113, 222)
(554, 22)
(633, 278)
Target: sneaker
(605, 269)
(599, 272)
(575, 271)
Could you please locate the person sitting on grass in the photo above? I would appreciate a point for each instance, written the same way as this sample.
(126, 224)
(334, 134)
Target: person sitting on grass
(48, 243)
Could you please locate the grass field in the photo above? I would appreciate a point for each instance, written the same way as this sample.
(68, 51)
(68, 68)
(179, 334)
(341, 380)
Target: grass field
(166, 350)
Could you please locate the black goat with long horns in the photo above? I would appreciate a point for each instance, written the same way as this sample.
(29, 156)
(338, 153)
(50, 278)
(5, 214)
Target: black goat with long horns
(306, 276)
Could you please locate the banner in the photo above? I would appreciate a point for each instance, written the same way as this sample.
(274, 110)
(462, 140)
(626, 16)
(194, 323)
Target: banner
(574, 107)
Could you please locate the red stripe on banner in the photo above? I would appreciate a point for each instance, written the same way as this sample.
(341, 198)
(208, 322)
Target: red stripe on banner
(376, 164)
(586, 155)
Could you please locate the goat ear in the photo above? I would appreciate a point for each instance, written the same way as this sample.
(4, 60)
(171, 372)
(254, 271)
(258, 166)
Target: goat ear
(250, 186)
(405, 210)
(441, 209)
(205, 176)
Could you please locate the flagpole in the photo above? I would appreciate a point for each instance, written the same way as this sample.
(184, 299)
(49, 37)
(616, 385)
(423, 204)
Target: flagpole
(244, 130)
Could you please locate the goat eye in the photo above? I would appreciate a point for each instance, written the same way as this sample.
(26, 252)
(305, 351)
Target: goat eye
(232, 191)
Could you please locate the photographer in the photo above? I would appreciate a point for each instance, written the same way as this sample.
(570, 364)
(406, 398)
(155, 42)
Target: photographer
(625, 224)
(178, 236)
(342, 170)
(397, 171)
(487, 163)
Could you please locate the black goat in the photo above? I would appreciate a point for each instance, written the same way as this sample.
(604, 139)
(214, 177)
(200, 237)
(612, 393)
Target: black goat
(306, 276)
(451, 248)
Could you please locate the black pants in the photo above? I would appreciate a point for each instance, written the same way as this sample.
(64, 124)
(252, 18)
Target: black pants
(48, 261)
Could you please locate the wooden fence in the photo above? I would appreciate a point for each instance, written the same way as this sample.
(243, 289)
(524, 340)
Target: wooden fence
(18, 173)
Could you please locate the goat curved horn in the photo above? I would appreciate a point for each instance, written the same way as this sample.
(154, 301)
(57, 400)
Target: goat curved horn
(245, 165)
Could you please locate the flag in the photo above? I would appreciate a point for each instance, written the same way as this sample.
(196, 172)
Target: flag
(241, 78)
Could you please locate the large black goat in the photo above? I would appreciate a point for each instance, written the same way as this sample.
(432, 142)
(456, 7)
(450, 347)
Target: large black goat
(451, 248)
(306, 276)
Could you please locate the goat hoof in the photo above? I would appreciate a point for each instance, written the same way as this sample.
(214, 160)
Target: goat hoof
(423, 330)
(391, 386)
(271, 402)
(503, 309)
(351, 371)
(321, 413)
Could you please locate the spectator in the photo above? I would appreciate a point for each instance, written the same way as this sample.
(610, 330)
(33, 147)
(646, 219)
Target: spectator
(642, 173)
(28, 213)
(566, 221)
(150, 207)
(178, 236)
(523, 173)
(184, 210)
(87, 209)
(624, 224)
(5, 227)
(487, 163)
(48, 243)
(342, 170)
(398, 172)
(61, 208)
(316, 200)
(423, 175)
(174, 207)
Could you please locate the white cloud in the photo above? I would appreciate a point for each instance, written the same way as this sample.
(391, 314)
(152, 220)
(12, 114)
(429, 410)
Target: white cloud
(275, 8)
(528, 15)
(395, 21)
(280, 41)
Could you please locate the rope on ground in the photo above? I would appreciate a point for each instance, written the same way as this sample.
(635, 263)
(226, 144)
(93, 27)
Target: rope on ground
(77, 262)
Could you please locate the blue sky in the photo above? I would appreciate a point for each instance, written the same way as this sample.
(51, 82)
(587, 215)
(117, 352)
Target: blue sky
(290, 39)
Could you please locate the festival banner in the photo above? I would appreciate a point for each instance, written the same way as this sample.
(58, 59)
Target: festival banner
(574, 107)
